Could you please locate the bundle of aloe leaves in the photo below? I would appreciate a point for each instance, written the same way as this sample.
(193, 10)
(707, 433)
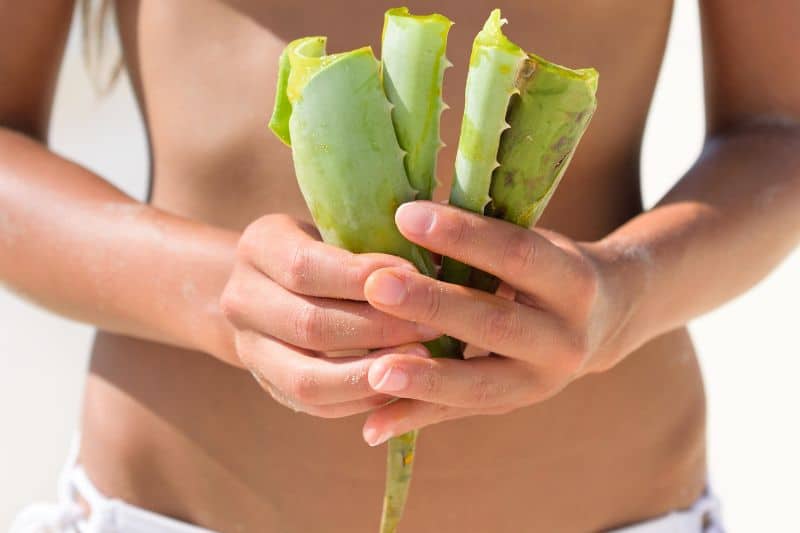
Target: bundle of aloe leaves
(365, 137)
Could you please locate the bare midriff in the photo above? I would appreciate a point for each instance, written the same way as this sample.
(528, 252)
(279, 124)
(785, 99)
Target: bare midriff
(185, 435)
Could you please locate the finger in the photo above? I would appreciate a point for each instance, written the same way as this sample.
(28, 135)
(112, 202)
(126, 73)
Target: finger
(517, 255)
(255, 302)
(406, 415)
(494, 324)
(290, 255)
(335, 410)
(346, 409)
(308, 380)
(482, 382)
(506, 291)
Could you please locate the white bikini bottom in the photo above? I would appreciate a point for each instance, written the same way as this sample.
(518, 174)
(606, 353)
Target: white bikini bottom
(109, 515)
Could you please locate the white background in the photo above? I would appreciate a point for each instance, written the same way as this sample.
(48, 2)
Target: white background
(749, 349)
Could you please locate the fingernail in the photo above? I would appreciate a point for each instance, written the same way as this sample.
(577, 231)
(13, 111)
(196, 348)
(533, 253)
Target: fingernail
(393, 380)
(427, 332)
(372, 437)
(387, 289)
(415, 219)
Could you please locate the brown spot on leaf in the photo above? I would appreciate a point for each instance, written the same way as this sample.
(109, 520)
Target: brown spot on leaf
(525, 73)
(561, 143)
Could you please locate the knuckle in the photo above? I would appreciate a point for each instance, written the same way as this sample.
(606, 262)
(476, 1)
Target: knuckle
(309, 327)
(431, 308)
(249, 245)
(579, 342)
(298, 273)
(519, 254)
(384, 332)
(483, 390)
(502, 325)
(430, 382)
(304, 387)
(266, 223)
(457, 229)
(358, 268)
(575, 354)
(231, 301)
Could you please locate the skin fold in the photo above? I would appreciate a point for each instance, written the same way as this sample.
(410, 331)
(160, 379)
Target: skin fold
(220, 313)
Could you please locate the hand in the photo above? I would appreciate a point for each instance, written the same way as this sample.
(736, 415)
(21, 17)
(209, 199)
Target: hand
(565, 316)
(291, 299)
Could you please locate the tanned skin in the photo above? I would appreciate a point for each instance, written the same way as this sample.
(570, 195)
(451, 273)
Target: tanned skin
(594, 400)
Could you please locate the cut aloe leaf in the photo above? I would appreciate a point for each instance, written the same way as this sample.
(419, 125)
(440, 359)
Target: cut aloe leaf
(494, 66)
(547, 120)
(333, 112)
(530, 115)
(399, 467)
(413, 55)
(413, 58)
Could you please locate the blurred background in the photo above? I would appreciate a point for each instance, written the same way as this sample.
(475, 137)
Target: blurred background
(749, 349)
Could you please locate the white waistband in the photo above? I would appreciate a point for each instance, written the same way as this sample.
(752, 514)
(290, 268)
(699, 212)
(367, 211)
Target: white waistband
(115, 516)
(703, 517)
(110, 515)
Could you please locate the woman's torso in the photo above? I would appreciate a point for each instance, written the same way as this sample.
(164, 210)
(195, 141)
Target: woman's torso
(185, 435)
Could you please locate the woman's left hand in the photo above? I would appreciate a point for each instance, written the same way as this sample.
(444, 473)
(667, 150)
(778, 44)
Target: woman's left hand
(565, 316)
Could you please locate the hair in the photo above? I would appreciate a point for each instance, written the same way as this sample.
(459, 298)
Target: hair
(103, 67)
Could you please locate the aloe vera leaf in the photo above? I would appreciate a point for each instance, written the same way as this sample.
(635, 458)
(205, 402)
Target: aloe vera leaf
(279, 122)
(494, 65)
(491, 81)
(399, 463)
(348, 163)
(413, 58)
(547, 119)
(332, 111)
(549, 110)
(413, 55)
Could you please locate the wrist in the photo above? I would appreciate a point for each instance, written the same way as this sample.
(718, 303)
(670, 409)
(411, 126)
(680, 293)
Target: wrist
(625, 271)
(205, 324)
(221, 340)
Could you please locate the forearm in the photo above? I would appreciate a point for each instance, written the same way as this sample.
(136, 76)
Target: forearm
(730, 220)
(75, 244)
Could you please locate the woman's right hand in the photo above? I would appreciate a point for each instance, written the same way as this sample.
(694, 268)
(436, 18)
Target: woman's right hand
(294, 302)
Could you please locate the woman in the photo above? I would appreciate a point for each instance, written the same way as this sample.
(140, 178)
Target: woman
(594, 397)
